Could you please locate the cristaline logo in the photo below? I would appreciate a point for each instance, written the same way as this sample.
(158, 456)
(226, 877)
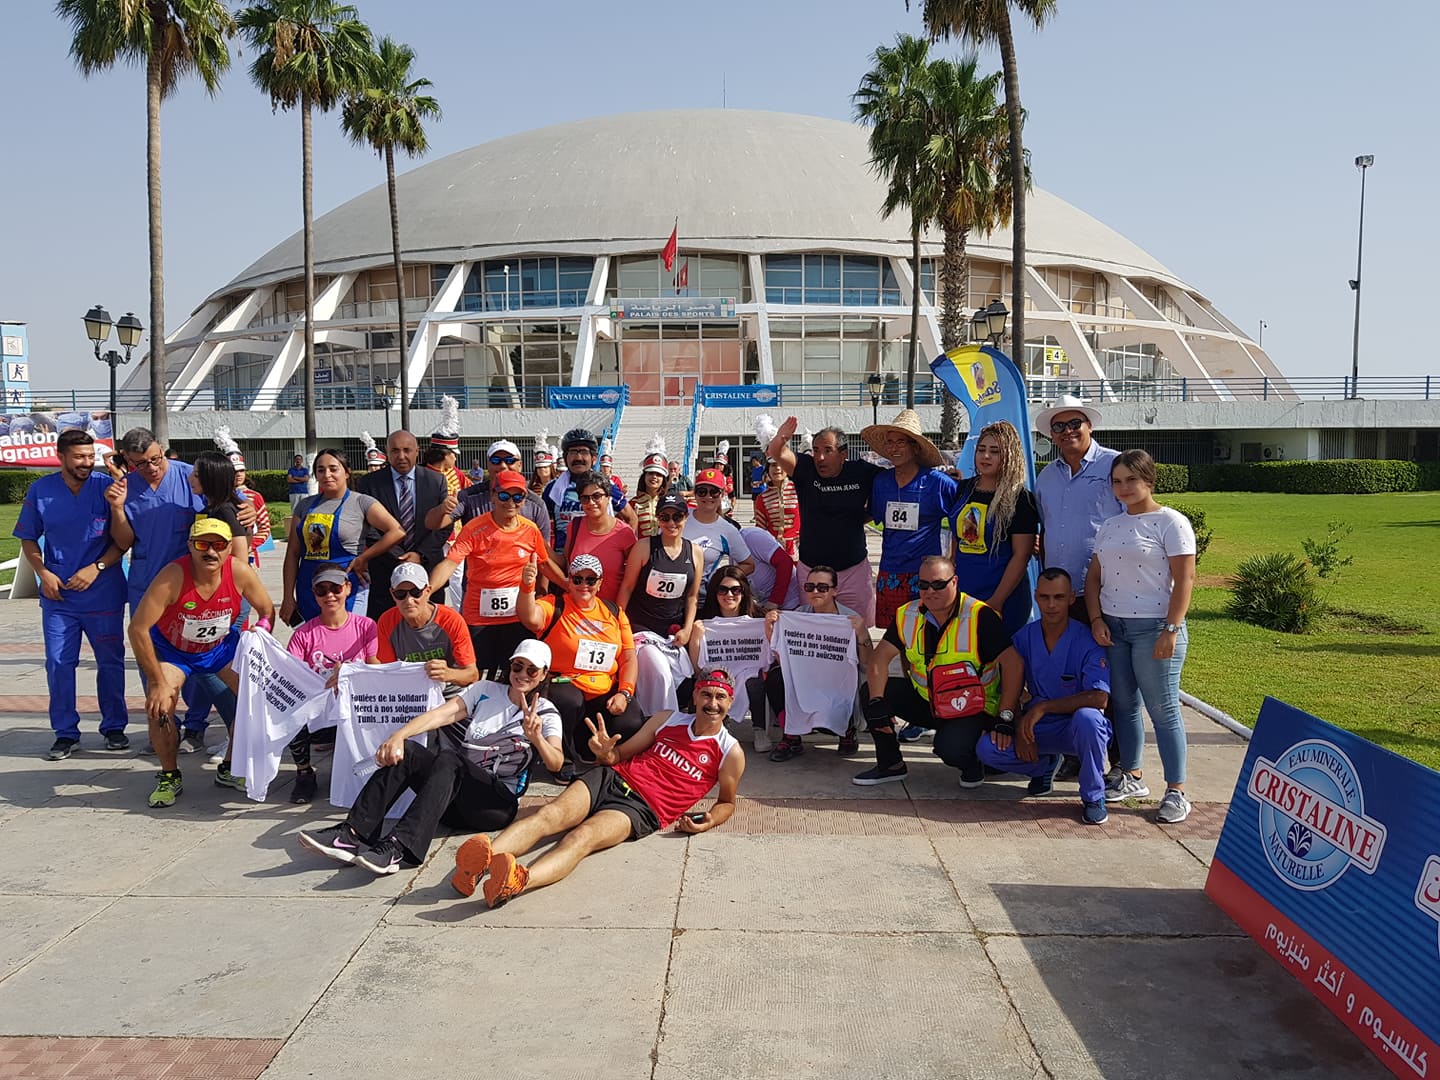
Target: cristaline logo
(1312, 815)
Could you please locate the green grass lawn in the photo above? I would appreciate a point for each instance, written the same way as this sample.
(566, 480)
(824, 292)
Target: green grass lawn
(1357, 672)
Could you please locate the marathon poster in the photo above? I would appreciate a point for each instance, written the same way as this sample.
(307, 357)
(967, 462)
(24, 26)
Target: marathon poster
(27, 439)
(1330, 860)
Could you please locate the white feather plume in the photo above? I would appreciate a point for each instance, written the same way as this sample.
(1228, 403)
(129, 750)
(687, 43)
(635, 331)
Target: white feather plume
(607, 448)
(807, 441)
(765, 430)
(449, 416)
(723, 450)
(224, 442)
(368, 441)
(655, 445)
(542, 439)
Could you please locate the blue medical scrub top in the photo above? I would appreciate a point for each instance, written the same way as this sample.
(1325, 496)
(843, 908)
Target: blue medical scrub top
(76, 528)
(933, 495)
(1072, 508)
(1076, 665)
(161, 518)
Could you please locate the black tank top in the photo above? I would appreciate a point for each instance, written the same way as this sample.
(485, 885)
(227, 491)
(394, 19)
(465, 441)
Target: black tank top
(658, 601)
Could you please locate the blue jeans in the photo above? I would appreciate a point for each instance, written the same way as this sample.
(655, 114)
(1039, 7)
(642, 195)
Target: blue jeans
(104, 629)
(1135, 674)
(1084, 733)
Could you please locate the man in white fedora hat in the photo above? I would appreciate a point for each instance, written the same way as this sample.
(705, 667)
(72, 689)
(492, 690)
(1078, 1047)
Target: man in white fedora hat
(911, 501)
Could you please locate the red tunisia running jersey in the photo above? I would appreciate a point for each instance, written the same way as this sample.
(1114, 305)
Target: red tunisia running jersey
(676, 771)
(193, 624)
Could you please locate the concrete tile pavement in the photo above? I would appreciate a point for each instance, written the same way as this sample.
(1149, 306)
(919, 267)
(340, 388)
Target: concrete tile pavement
(911, 930)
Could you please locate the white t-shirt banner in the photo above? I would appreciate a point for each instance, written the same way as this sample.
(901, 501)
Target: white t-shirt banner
(741, 648)
(819, 659)
(279, 694)
(376, 700)
(660, 667)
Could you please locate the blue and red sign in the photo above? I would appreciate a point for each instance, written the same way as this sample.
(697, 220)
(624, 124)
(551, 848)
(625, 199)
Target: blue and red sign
(1330, 860)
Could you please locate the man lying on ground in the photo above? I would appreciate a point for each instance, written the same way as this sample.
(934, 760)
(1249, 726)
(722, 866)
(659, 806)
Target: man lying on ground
(649, 782)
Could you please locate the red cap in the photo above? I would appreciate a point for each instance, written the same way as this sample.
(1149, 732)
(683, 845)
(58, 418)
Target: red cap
(508, 479)
(712, 477)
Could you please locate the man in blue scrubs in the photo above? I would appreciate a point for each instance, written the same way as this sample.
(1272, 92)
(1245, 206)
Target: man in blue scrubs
(82, 588)
(1069, 683)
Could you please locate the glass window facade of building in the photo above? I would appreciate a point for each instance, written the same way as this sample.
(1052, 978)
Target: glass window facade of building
(828, 278)
(989, 281)
(645, 276)
(662, 363)
(545, 281)
(373, 294)
(819, 349)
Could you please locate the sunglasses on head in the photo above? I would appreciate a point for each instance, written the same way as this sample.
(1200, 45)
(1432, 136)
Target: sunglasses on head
(520, 667)
(1059, 426)
(210, 545)
(406, 593)
(730, 590)
(670, 518)
(935, 586)
(510, 496)
(706, 492)
(592, 496)
(818, 586)
(584, 579)
(502, 459)
(327, 588)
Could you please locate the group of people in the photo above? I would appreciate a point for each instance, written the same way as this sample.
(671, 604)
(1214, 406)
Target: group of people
(567, 625)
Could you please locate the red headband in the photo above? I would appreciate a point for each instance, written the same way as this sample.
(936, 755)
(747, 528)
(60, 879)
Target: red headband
(716, 681)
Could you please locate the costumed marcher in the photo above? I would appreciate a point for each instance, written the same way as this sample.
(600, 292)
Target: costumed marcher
(651, 487)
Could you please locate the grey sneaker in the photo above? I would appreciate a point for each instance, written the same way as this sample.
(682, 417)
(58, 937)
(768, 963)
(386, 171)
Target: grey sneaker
(116, 740)
(1174, 807)
(763, 743)
(192, 742)
(61, 749)
(1128, 786)
(218, 754)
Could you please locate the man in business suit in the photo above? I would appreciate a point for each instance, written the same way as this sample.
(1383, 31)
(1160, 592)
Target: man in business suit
(409, 493)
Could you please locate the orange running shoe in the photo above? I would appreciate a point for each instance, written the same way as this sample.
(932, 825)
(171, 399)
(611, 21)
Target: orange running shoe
(471, 862)
(507, 879)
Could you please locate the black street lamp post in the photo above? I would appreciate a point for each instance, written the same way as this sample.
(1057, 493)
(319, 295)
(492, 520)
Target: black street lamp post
(1363, 162)
(876, 384)
(385, 395)
(988, 324)
(128, 330)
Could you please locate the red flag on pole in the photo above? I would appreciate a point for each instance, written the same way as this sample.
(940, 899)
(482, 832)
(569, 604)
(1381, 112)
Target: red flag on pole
(684, 279)
(672, 247)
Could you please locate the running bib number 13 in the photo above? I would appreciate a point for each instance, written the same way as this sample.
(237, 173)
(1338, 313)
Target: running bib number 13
(591, 655)
(902, 516)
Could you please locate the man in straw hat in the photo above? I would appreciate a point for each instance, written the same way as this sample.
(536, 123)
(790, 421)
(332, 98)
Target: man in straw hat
(911, 501)
(834, 496)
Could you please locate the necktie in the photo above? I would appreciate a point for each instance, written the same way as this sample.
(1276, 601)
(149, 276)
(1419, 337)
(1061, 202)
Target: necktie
(407, 505)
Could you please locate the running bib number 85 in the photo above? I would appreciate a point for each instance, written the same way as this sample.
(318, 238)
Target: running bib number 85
(591, 655)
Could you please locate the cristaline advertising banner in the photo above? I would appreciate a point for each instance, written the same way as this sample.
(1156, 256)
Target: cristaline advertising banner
(27, 439)
(1330, 860)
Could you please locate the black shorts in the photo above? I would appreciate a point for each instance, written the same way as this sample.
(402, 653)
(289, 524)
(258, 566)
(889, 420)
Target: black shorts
(609, 792)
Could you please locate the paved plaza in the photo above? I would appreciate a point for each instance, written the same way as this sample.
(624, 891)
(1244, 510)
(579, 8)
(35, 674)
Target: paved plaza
(909, 931)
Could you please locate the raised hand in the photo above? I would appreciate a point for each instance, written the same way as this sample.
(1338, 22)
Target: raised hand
(530, 720)
(602, 743)
(788, 428)
(530, 572)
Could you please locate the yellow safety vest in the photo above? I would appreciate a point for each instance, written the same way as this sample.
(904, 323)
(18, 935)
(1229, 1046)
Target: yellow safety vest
(959, 643)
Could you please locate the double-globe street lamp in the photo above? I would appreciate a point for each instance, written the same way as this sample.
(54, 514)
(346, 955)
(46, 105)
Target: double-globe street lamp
(988, 323)
(128, 330)
(385, 390)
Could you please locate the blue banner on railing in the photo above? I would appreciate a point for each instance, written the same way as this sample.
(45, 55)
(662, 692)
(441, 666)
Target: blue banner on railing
(756, 395)
(584, 397)
(1330, 860)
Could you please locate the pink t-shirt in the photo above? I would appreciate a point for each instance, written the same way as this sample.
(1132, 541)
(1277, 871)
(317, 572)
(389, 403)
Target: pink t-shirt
(324, 648)
(611, 549)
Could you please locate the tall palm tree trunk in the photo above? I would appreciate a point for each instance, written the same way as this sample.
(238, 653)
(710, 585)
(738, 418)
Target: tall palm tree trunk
(912, 361)
(1017, 185)
(159, 414)
(307, 212)
(399, 285)
(954, 290)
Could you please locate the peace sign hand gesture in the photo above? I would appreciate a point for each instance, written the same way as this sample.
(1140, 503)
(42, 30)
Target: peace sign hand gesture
(602, 743)
(530, 719)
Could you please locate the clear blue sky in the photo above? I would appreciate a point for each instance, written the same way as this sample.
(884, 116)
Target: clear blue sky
(1220, 137)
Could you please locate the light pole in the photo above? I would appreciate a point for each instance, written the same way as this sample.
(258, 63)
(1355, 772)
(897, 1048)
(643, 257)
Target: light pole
(1363, 162)
(1261, 339)
(988, 324)
(875, 383)
(128, 330)
(507, 286)
(385, 394)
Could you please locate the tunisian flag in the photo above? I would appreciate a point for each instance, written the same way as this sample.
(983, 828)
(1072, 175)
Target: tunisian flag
(672, 247)
(683, 280)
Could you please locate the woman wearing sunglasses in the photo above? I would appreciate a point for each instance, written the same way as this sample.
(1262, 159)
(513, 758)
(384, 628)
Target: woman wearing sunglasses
(593, 655)
(490, 737)
(718, 538)
(599, 533)
(661, 593)
(819, 592)
(330, 528)
(731, 596)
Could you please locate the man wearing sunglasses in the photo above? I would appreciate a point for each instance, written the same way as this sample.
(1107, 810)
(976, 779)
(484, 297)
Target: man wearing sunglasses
(579, 450)
(476, 500)
(957, 664)
(1073, 491)
(495, 549)
(409, 493)
(185, 627)
(718, 537)
(420, 631)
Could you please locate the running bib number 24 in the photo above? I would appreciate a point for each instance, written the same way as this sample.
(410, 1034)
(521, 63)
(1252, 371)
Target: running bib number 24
(205, 631)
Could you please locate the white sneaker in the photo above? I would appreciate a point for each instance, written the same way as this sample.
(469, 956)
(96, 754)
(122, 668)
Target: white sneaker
(1174, 807)
(218, 754)
(763, 743)
(1126, 786)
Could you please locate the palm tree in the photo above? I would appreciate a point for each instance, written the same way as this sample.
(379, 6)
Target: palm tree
(172, 39)
(310, 54)
(389, 112)
(892, 99)
(988, 22)
(965, 152)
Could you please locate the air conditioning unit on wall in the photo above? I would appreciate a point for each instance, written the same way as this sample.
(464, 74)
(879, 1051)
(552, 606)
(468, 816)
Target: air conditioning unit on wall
(1222, 451)
(1274, 452)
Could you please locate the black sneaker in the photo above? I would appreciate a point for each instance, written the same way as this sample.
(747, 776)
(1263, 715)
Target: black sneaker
(1069, 768)
(1043, 785)
(339, 842)
(879, 775)
(384, 858)
(192, 742)
(305, 785)
(117, 740)
(790, 746)
(972, 774)
(62, 749)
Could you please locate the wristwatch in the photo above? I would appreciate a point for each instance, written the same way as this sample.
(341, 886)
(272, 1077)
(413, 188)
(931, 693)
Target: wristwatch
(100, 565)
(1172, 628)
(1006, 714)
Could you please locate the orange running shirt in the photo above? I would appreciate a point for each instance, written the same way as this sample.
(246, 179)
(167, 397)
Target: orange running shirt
(586, 645)
(494, 559)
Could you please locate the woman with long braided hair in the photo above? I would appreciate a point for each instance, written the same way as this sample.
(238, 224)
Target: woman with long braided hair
(996, 526)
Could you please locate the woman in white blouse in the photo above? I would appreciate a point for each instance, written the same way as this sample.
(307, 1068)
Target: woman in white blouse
(1137, 592)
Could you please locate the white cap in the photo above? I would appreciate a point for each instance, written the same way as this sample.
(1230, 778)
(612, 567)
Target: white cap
(533, 650)
(410, 573)
(505, 445)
